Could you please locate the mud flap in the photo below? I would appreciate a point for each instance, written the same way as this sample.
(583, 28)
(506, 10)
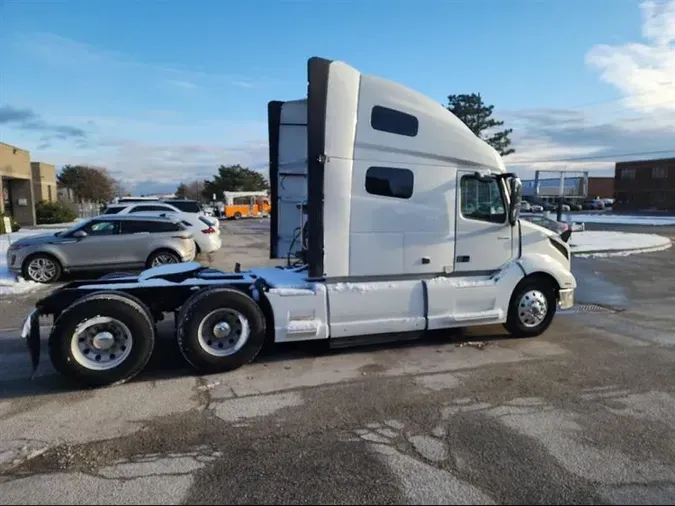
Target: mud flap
(31, 333)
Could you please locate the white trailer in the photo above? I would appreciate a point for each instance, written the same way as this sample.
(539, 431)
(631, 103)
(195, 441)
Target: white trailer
(395, 219)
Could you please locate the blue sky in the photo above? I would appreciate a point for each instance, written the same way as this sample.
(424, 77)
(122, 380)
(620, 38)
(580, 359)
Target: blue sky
(164, 91)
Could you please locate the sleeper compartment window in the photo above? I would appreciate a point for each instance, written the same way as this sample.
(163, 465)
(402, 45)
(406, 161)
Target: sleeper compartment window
(393, 121)
(390, 182)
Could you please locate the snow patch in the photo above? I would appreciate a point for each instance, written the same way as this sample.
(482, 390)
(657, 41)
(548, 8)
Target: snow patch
(281, 278)
(616, 243)
(461, 282)
(164, 270)
(625, 253)
(303, 326)
(287, 292)
(364, 287)
(618, 219)
(478, 315)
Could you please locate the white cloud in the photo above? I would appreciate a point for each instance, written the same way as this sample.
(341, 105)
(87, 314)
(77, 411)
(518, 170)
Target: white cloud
(640, 124)
(644, 72)
(185, 85)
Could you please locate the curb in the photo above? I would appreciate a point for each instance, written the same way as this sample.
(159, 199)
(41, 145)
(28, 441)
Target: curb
(617, 252)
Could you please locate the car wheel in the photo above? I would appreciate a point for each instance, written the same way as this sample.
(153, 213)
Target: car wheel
(220, 330)
(237, 215)
(532, 307)
(102, 339)
(162, 257)
(42, 269)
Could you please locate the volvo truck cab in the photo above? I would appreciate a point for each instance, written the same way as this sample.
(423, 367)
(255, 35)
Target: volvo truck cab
(393, 217)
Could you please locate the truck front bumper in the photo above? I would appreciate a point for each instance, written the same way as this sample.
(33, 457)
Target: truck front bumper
(566, 298)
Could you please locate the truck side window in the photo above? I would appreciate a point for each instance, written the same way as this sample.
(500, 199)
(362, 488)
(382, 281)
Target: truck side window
(390, 182)
(393, 121)
(482, 200)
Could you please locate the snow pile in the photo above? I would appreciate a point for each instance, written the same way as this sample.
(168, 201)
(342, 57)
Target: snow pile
(462, 282)
(289, 292)
(618, 219)
(9, 284)
(597, 244)
(366, 287)
(303, 326)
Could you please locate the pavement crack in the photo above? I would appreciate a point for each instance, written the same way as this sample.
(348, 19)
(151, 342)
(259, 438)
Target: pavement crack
(202, 393)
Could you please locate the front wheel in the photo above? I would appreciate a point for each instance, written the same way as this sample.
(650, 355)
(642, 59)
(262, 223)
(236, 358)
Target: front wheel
(42, 269)
(102, 339)
(532, 308)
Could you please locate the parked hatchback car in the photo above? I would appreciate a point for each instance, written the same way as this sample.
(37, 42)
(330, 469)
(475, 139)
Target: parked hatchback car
(102, 243)
(206, 236)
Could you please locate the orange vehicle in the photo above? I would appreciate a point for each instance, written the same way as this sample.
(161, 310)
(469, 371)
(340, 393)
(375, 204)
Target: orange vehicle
(246, 205)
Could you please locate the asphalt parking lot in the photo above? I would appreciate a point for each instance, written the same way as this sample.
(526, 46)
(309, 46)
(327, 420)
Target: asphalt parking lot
(584, 414)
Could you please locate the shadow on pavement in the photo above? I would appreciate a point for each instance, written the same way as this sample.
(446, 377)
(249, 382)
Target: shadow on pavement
(167, 362)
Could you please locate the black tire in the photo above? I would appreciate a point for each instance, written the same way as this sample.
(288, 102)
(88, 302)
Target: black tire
(175, 259)
(237, 215)
(522, 295)
(123, 308)
(58, 269)
(200, 308)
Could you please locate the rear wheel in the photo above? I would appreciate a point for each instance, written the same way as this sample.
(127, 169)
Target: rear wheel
(237, 215)
(532, 307)
(42, 269)
(220, 329)
(162, 257)
(102, 339)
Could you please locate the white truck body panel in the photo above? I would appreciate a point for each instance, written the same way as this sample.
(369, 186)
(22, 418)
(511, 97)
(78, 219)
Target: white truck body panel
(390, 264)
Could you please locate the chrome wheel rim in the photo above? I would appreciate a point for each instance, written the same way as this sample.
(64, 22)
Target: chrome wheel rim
(163, 259)
(42, 270)
(223, 332)
(101, 343)
(532, 308)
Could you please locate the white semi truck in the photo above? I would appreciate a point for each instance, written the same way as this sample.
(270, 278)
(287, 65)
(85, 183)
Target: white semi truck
(394, 217)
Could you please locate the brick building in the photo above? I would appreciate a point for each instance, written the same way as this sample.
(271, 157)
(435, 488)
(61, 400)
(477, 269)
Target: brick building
(645, 185)
(600, 187)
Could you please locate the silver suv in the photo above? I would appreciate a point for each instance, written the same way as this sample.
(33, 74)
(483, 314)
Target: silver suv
(103, 243)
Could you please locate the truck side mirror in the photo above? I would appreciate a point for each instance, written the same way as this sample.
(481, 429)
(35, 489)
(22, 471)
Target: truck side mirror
(516, 187)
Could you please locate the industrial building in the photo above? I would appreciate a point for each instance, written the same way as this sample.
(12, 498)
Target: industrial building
(645, 185)
(24, 183)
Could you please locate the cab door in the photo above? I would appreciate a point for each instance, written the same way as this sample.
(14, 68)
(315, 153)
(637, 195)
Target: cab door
(484, 238)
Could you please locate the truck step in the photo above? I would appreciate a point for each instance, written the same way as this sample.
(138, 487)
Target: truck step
(348, 342)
